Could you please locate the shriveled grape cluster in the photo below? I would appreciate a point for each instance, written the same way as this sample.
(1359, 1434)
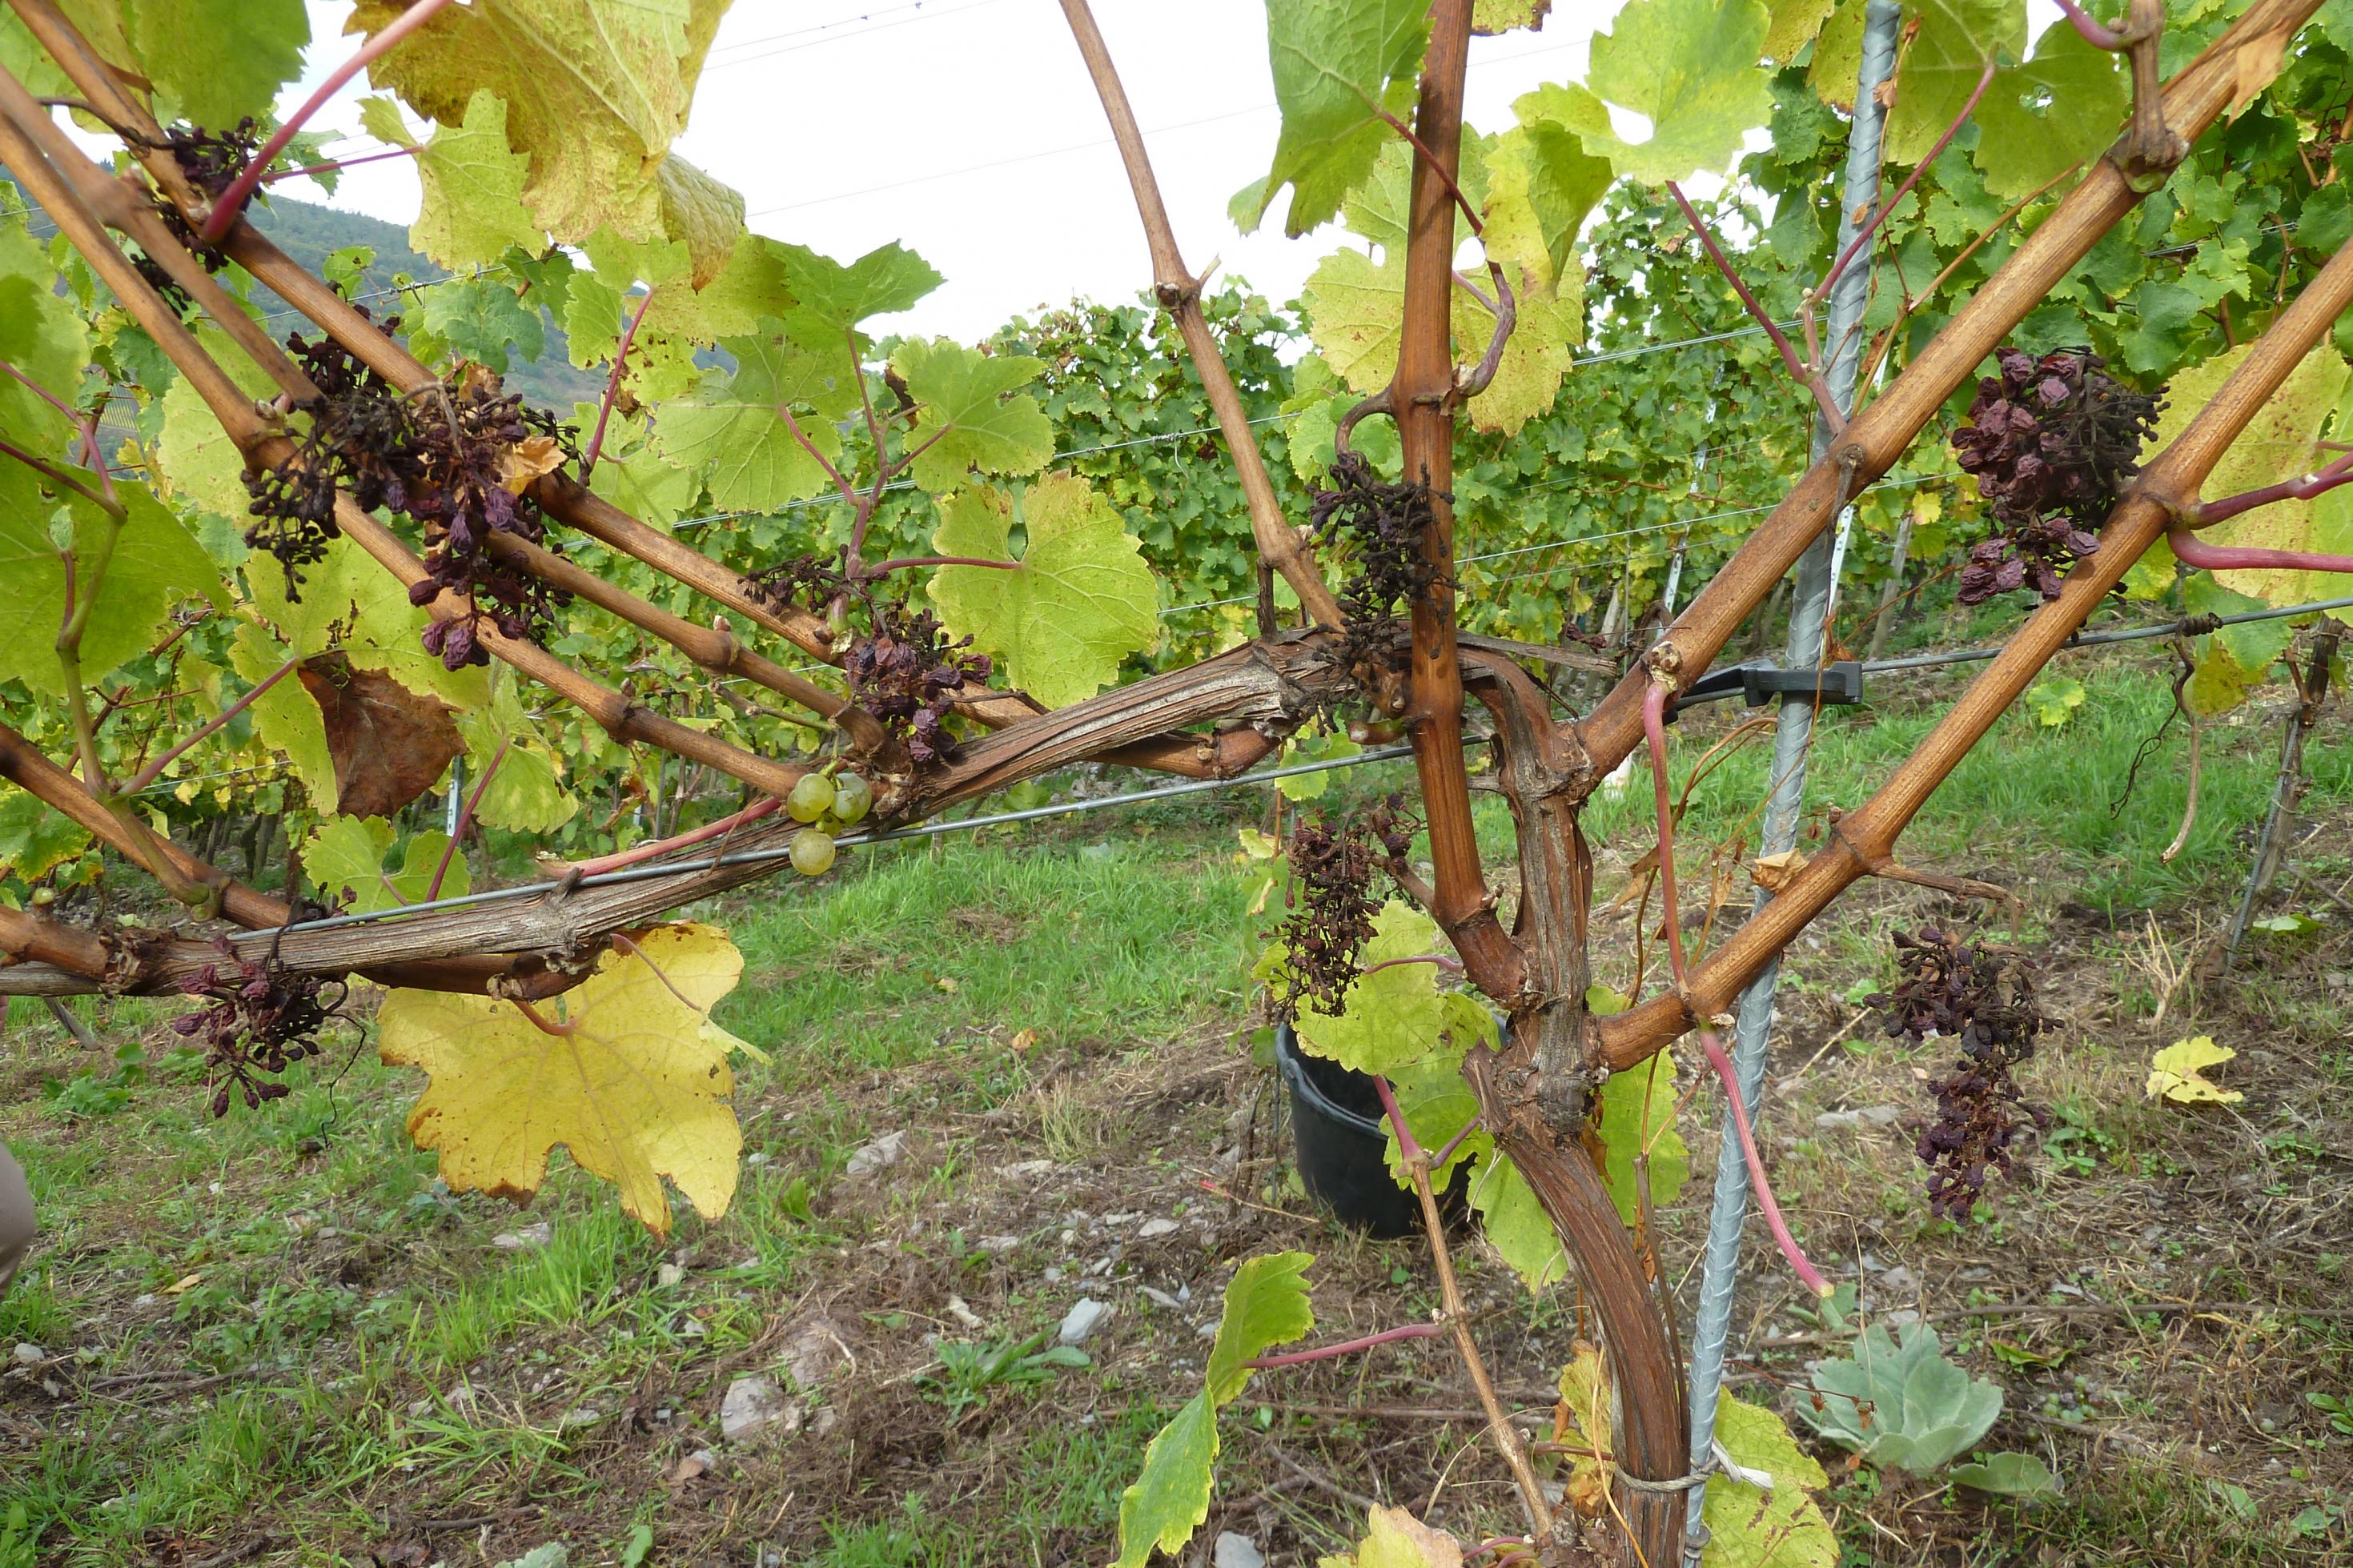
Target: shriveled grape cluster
(1332, 908)
(1984, 996)
(2052, 442)
(1378, 527)
(211, 159)
(440, 456)
(810, 583)
(261, 1019)
(908, 674)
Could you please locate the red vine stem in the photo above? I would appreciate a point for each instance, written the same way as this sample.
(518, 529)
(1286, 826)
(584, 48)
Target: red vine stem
(58, 476)
(2191, 551)
(906, 563)
(1985, 81)
(465, 818)
(613, 385)
(2207, 513)
(1441, 959)
(540, 1023)
(224, 214)
(641, 853)
(2094, 34)
(1654, 730)
(332, 164)
(1788, 354)
(1446, 1152)
(1347, 1347)
(154, 770)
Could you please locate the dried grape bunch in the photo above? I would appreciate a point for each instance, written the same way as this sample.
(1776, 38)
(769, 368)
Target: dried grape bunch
(1379, 526)
(211, 159)
(1332, 908)
(457, 457)
(1984, 996)
(1392, 823)
(909, 675)
(807, 582)
(261, 1020)
(2052, 442)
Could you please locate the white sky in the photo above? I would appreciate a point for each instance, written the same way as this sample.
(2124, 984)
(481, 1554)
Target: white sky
(968, 130)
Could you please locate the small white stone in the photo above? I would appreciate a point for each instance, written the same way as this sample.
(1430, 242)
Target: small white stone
(879, 1155)
(1234, 1551)
(28, 1355)
(995, 1244)
(1082, 1320)
(961, 1311)
(1159, 1227)
(530, 1235)
(1161, 1297)
(1023, 1170)
(756, 1407)
(667, 1275)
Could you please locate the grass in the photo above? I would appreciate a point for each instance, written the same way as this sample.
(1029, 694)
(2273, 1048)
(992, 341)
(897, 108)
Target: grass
(1032, 992)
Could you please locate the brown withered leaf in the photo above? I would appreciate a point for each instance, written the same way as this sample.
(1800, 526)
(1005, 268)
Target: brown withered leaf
(527, 459)
(1772, 872)
(389, 744)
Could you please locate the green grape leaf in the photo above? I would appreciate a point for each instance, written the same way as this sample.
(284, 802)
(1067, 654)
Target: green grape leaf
(1690, 67)
(1545, 168)
(1338, 66)
(1168, 1501)
(2278, 443)
(1437, 1104)
(381, 117)
(1489, 17)
(2060, 107)
(1353, 307)
(196, 464)
(1391, 1015)
(1635, 1104)
(1516, 1225)
(1078, 602)
(155, 564)
(1836, 66)
(477, 319)
(1751, 1527)
(1320, 744)
(473, 187)
(1795, 24)
(754, 283)
(284, 717)
(965, 420)
(527, 794)
(704, 212)
(218, 61)
(1377, 206)
(637, 476)
(595, 92)
(42, 335)
(34, 840)
(1946, 59)
(728, 434)
(349, 604)
(346, 857)
(1266, 1305)
(833, 299)
(592, 317)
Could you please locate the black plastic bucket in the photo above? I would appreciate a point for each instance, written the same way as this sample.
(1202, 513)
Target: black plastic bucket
(1341, 1142)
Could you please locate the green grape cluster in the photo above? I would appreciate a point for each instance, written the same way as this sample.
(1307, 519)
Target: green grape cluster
(828, 803)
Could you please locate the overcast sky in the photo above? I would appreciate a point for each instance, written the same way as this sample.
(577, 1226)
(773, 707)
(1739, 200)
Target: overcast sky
(968, 130)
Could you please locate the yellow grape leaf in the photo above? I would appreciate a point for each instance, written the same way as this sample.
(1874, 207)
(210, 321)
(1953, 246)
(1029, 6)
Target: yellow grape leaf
(2177, 1074)
(1395, 1538)
(636, 1085)
(1753, 1526)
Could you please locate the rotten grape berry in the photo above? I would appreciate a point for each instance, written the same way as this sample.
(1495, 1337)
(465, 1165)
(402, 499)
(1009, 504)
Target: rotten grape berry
(909, 676)
(260, 1018)
(1332, 908)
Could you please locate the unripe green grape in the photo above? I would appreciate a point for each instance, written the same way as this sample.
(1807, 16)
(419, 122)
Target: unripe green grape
(852, 799)
(812, 852)
(811, 798)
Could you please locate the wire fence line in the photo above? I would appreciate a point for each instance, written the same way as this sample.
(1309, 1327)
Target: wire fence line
(693, 866)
